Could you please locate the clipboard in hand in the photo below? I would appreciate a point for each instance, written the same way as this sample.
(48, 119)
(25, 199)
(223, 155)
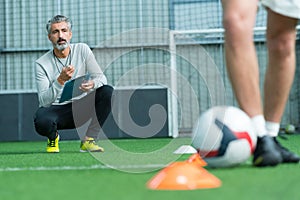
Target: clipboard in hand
(71, 88)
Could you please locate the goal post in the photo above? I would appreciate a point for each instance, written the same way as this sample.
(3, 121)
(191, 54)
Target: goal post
(202, 39)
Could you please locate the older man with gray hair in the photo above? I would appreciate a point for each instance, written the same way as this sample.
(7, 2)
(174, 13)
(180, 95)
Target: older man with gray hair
(59, 67)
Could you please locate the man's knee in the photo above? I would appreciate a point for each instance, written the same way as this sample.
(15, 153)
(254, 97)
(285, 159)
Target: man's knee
(105, 92)
(281, 46)
(44, 124)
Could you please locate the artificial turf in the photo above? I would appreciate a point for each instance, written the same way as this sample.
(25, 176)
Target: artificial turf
(27, 172)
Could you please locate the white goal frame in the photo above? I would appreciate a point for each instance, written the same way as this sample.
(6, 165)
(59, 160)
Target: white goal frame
(173, 108)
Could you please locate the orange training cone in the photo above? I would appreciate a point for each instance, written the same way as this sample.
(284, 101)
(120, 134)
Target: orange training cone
(186, 175)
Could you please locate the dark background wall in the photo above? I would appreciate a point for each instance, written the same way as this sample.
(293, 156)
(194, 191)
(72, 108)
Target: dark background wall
(17, 113)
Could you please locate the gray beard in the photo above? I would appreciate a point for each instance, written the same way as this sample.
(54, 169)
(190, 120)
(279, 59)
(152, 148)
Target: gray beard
(62, 46)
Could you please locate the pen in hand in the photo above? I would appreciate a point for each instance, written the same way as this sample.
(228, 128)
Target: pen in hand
(66, 74)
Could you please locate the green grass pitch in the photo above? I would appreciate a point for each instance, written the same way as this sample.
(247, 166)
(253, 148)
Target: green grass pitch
(28, 173)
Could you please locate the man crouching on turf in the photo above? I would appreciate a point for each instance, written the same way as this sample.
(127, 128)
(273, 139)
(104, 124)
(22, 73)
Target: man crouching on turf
(63, 63)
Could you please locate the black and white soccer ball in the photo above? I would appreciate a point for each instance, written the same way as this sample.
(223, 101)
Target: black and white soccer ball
(224, 136)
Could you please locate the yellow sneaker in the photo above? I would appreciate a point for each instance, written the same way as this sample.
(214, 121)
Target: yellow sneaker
(52, 145)
(90, 145)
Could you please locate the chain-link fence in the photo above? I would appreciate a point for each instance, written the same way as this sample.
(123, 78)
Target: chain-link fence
(134, 39)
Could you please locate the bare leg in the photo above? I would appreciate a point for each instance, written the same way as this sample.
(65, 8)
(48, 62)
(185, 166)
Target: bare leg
(242, 65)
(281, 37)
(241, 59)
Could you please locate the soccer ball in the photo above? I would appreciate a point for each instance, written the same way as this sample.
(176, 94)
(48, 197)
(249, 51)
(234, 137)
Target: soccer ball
(290, 129)
(224, 136)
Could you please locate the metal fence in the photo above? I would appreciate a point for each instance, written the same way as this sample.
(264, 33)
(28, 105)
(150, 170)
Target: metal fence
(131, 41)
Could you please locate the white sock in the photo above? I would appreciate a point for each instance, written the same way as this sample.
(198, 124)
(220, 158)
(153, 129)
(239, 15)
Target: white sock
(259, 125)
(272, 128)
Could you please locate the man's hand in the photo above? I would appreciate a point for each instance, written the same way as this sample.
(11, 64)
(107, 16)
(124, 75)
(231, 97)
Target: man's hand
(66, 74)
(87, 85)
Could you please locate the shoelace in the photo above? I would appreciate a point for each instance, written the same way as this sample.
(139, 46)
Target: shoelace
(51, 143)
(91, 141)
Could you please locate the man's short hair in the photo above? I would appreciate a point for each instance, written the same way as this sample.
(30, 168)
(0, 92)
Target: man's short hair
(57, 19)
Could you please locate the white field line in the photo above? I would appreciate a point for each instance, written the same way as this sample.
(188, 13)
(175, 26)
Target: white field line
(58, 168)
